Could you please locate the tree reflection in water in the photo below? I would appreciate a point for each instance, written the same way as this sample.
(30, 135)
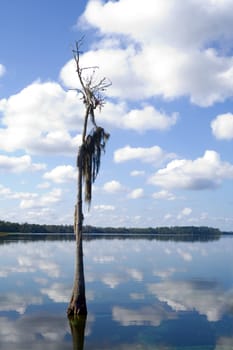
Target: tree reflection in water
(77, 327)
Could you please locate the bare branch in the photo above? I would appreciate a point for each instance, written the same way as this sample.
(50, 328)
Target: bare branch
(92, 67)
(102, 85)
(91, 88)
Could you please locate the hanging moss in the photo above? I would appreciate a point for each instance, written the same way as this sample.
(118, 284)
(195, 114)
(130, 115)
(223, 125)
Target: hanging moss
(93, 148)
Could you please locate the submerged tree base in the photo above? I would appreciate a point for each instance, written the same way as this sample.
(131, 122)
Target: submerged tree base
(77, 307)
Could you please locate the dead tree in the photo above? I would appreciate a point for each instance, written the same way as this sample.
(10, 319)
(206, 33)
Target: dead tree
(88, 164)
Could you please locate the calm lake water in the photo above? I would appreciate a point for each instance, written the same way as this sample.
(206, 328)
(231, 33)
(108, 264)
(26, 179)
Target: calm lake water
(142, 294)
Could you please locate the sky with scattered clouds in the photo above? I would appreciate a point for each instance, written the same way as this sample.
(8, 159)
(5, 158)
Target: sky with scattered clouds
(169, 111)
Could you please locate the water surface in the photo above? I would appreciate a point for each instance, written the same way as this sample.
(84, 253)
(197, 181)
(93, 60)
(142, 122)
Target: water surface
(141, 293)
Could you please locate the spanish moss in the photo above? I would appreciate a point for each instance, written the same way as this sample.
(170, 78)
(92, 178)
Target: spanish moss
(93, 147)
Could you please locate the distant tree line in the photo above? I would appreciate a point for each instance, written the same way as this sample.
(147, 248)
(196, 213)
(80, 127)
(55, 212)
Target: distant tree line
(6, 226)
(179, 230)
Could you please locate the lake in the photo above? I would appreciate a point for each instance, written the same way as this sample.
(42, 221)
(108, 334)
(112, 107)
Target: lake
(142, 294)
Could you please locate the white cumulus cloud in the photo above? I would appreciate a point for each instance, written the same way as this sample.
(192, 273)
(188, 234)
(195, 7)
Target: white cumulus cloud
(148, 118)
(137, 119)
(152, 154)
(19, 164)
(184, 213)
(222, 126)
(39, 119)
(118, 115)
(164, 194)
(136, 193)
(137, 173)
(60, 174)
(7, 193)
(202, 173)
(43, 201)
(165, 51)
(113, 187)
(104, 207)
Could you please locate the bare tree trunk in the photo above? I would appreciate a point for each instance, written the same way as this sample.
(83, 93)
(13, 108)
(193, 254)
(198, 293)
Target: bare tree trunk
(92, 98)
(77, 304)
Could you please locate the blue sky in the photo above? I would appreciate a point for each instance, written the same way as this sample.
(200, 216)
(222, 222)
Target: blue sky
(169, 111)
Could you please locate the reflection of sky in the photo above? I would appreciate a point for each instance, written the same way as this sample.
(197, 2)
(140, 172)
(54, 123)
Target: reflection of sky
(35, 269)
(150, 315)
(224, 343)
(207, 298)
(131, 284)
(31, 331)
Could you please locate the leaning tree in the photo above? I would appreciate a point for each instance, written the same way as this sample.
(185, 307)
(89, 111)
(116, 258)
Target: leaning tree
(89, 154)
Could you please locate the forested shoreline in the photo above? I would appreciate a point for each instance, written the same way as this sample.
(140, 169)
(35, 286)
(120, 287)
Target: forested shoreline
(12, 227)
